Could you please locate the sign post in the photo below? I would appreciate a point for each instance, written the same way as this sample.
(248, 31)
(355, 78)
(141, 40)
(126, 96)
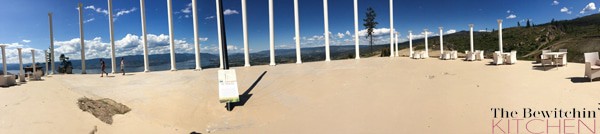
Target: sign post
(228, 89)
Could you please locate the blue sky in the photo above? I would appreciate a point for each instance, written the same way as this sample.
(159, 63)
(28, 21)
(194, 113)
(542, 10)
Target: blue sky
(25, 22)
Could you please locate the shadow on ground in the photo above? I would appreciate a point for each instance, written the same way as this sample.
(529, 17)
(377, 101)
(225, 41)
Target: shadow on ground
(246, 95)
(580, 79)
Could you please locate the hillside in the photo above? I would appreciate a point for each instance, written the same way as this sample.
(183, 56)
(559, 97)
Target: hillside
(579, 35)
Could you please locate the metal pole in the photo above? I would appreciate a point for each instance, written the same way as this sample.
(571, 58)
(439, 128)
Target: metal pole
(196, 42)
(471, 35)
(245, 30)
(20, 63)
(326, 18)
(356, 41)
(171, 36)
(224, 38)
(81, 38)
(112, 38)
(410, 43)
(500, 35)
(297, 30)
(3, 59)
(51, 44)
(32, 61)
(426, 45)
(391, 28)
(271, 34)
(441, 40)
(144, 36)
(219, 12)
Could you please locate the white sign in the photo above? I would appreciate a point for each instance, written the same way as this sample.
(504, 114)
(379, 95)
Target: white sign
(228, 89)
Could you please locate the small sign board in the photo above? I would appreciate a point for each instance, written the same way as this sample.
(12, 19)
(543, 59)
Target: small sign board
(228, 88)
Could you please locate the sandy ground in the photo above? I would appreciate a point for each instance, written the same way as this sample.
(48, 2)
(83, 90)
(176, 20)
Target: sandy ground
(370, 95)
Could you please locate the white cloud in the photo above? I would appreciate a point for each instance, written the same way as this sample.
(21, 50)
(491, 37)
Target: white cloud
(120, 12)
(348, 33)
(209, 17)
(451, 31)
(511, 16)
(201, 39)
(589, 7)
(340, 35)
(124, 12)
(89, 20)
(376, 32)
(187, 9)
(128, 45)
(565, 10)
(26, 41)
(230, 12)
(98, 10)
(508, 11)
(555, 2)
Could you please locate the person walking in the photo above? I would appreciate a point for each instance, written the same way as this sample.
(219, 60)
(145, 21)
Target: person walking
(103, 66)
(123, 65)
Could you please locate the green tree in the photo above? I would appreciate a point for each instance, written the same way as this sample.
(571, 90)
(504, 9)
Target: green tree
(518, 24)
(370, 24)
(528, 24)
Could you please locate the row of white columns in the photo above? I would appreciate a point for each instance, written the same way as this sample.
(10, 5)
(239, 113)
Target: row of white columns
(4, 69)
(393, 35)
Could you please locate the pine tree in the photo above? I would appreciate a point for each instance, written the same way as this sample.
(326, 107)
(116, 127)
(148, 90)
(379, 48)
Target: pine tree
(370, 24)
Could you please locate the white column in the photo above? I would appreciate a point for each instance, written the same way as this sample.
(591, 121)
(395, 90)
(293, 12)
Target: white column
(471, 35)
(32, 60)
(297, 30)
(219, 33)
(356, 39)
(21, 62)
(196, 42)
(326, 21)
(3, 59)
(171, 36)
(51, 44)
(396, 43)
(144, 37)
(112, 38)
(271, 34)
(245, 30)
(46, 62)
(441, 40)
(500, 35)
(81, 38)
(391, 28)
(410, 44)
(426, 45)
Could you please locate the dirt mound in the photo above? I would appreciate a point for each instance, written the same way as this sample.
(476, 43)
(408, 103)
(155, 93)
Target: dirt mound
(102, 109)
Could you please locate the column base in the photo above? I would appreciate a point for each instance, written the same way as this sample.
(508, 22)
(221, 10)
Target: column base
(198, 69)
(299, 62)
(247, 65)
(272, 64)
(173, 69)
(146, 71)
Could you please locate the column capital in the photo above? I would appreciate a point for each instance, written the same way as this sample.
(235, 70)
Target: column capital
(471, 25)
(425, 29)
(441, 28)
(3, 46)
(499, 21)
(409, 31)
(19, 49)
(50, 14)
